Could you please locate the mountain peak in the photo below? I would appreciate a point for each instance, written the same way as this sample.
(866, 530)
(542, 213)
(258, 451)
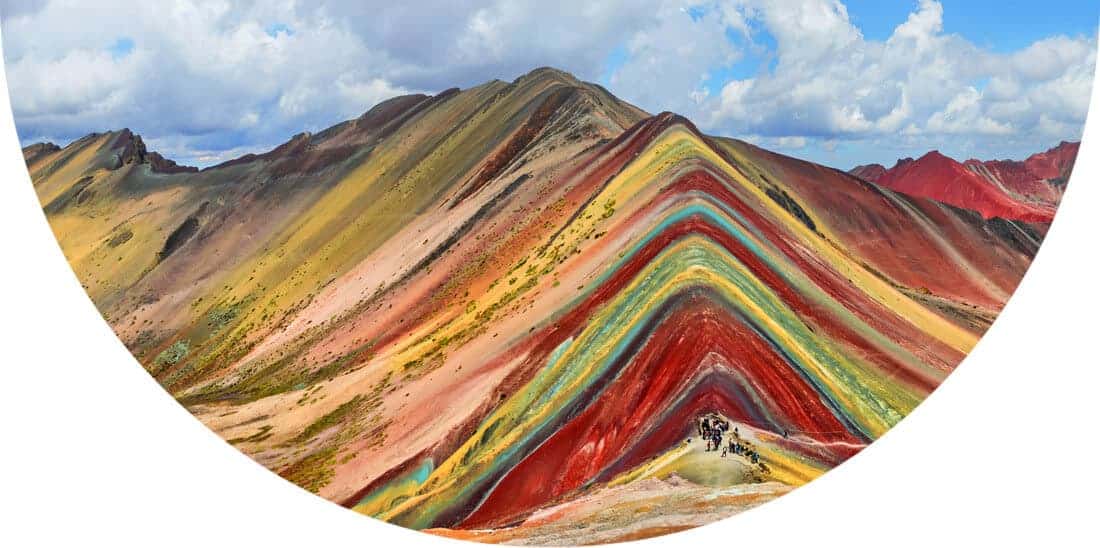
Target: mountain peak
(669, 119)
(869, 172)
(132, 150)
(38, 150)
(936, 156)
(549, 73)
(934, 161)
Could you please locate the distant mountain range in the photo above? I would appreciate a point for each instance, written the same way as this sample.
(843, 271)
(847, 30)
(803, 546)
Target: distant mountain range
(1027, 191)
(499, 313)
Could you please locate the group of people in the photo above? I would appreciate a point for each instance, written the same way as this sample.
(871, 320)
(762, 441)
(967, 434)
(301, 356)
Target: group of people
(736, 448)
(713, 428)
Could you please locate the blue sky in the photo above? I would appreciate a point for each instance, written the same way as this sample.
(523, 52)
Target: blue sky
(121, 48)
(839, 83)
(1001, 25)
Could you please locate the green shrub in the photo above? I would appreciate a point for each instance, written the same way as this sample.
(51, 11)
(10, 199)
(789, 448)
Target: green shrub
(173, 354)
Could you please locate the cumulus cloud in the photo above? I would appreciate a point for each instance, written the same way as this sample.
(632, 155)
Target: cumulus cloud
(830, 82)
(204, 79)
(668, 61)
(211, 72)
(435, 44)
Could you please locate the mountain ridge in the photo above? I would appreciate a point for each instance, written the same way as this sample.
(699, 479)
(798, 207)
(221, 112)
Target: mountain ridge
(1041, 177)
(1028, 189)
(295, 141)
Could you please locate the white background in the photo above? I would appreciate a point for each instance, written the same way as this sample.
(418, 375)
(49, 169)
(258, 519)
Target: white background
(93, 452)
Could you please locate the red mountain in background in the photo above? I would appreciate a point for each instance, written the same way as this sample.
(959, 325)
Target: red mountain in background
(1025, 191)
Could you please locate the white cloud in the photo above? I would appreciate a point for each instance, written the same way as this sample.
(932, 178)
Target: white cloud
(963, 115)
(206, 74)
(670, 58)
(20, 8)
(209, 76)
(831, 82)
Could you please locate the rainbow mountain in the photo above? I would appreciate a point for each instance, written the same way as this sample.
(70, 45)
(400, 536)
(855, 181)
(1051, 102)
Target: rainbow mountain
(499, 313)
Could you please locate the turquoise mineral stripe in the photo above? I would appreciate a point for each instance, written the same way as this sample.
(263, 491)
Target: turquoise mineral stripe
(712, 210)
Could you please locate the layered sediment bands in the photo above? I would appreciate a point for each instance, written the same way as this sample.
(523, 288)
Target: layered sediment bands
(502, 310)
(829, 395)
(678, 370)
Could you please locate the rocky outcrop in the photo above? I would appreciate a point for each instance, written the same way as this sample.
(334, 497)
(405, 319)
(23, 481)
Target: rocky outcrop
(130, 149)
(35, 152)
